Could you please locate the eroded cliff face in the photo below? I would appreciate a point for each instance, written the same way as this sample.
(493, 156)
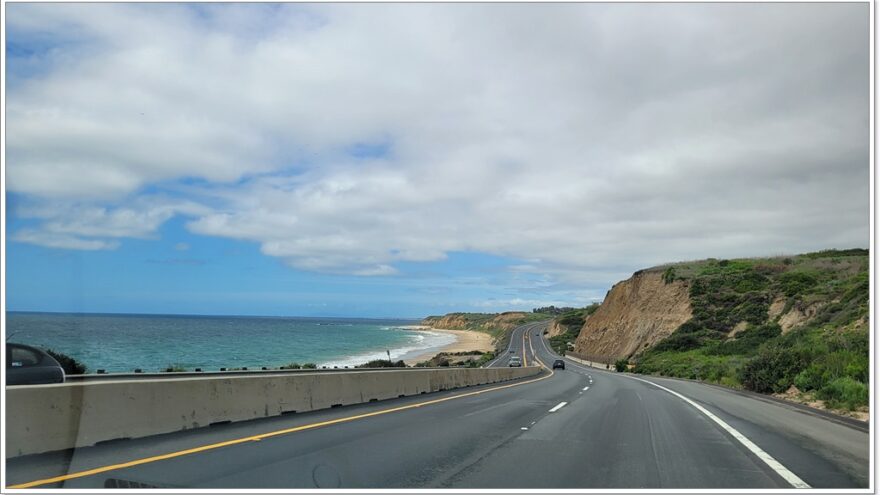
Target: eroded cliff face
(458, 321)
(636, 314)
(449, 322)
(555, 329)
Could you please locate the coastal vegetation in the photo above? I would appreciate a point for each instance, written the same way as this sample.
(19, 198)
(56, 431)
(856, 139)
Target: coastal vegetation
(793, 324)
(296, 366)
(553, 310)
(467, 359)
(571, 321)
(69, 364)
(382, 363)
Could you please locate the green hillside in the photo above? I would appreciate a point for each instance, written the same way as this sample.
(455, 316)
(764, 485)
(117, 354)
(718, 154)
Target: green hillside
(767, 324)
(572, 321)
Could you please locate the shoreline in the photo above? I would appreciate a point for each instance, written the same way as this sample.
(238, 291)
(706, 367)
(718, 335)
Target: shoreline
(465, 340)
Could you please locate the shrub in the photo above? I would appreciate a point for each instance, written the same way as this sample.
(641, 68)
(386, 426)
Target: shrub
(70, 365)
(485, 358)
(794, 283)
(669, 275)
(291, 366)
(574, 318)
(679, 342)
(621, 365)
(834, 253)
(382, 363)
(773, 369)
(310, 366)
(688, 336)
(845, 392)
(750, 281)
(174, 368)
(747, 341)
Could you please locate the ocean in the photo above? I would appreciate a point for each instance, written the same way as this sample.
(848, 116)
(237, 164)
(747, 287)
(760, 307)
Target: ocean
(121, 343)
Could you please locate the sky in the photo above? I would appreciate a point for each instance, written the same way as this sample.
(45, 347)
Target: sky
(386, 160)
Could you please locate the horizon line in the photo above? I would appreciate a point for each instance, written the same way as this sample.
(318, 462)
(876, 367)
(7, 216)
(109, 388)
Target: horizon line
(99, 313)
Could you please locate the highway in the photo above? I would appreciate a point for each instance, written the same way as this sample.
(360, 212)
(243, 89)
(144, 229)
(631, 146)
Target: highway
(574, 428)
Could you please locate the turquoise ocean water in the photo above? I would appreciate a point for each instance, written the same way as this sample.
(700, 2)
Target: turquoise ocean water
(118, 343)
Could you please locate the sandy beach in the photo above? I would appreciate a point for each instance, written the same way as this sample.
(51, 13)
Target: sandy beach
(465, 340)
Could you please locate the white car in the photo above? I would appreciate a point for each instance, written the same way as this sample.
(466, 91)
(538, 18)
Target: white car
(515, 362)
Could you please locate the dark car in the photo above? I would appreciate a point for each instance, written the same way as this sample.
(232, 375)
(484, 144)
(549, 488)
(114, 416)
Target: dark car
(26, 365)
(558, 364)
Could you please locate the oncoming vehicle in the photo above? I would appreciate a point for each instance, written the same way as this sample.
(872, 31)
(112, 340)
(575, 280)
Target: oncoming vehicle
(515, 362)
(559, 364)
(26, 365)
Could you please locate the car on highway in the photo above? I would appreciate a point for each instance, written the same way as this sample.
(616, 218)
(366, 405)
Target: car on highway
(27, 365)
(559, 364)
(515, 362)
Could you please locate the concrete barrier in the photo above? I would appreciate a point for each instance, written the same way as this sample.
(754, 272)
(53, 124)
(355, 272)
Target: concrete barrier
(589, 362)
(591, 358)
(45, 418)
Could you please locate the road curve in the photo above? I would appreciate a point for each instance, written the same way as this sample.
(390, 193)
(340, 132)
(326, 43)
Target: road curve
(575, 428)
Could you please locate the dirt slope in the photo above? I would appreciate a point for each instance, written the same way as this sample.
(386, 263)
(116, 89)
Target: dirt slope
(636, 313)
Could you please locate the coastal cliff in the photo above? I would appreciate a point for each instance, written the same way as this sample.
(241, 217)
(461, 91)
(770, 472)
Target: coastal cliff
(636, 314)
(796, 326)
(492, 323)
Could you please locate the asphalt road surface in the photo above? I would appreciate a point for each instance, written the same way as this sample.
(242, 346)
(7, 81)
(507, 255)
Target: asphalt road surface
(574, 428)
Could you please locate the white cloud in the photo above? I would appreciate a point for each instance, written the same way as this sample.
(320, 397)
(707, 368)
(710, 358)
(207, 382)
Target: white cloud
(588, 139)
(55, 240)
(65, 223)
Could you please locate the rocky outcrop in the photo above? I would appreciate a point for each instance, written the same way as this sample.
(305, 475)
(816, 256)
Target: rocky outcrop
(636, 314)
(799, 314)
(556, 329)
(776, 308)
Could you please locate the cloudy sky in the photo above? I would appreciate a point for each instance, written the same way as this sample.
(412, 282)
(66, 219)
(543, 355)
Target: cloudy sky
(409, 159)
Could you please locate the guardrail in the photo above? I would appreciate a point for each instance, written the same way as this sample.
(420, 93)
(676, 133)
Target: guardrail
(45, 418)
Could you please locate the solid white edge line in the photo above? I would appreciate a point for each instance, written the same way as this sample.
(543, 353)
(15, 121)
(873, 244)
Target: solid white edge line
(558, 406)
(775, 465)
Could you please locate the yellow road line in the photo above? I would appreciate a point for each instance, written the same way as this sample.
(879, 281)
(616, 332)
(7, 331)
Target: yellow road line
(257, 438)
(525, 358)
